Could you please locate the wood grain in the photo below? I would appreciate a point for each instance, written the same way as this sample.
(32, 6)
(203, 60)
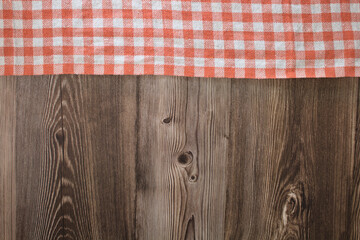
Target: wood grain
(32, 158)
(291, 159)
(7, 157)
(158, 157)
(354, 203)
(182, 156)
(99, 157)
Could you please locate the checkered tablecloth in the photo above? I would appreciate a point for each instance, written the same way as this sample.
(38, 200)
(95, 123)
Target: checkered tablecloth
(204, 38)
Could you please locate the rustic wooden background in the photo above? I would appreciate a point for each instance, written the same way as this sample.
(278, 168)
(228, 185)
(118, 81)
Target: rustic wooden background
(144, 157)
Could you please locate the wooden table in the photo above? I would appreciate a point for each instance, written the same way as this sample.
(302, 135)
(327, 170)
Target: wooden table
(144, 157)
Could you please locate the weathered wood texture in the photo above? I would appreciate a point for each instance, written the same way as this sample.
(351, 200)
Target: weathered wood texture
(30, 116)
(7, 158)
(99, 157)
(183, 129)
(292, 159)
(126, 157)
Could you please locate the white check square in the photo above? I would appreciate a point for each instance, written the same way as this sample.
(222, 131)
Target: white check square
(38, 60)
(195, 6)
(38, 42)
(178, 42)
(36, 5)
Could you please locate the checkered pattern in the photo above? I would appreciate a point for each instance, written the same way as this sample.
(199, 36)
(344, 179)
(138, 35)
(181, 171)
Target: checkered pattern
(205, 38)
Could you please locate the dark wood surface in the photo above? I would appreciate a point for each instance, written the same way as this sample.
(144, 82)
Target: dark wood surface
(100, 140)
(30, 158)
(145, 157)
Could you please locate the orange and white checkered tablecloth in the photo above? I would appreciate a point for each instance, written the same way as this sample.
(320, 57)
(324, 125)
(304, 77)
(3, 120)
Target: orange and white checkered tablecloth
(202, 38)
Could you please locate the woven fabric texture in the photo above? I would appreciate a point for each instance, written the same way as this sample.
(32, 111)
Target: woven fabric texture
(200, 38)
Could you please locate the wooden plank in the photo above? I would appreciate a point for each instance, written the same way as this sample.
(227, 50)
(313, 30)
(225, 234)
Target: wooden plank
(124, 157)
(183, 136)
(32, 158)
(291, 159)
(38, 158)
(354, 204)
(99, 116)
(7, 157)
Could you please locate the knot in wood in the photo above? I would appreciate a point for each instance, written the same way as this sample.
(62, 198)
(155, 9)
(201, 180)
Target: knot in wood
(193, 178)
(185, 158)
(59, 136)
(167, 120)
(294, 204)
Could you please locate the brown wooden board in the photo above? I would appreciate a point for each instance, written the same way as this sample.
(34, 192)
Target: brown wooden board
(31, 156)
(184, 129)
(99, 156)
(157, 157)
(291, 159)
